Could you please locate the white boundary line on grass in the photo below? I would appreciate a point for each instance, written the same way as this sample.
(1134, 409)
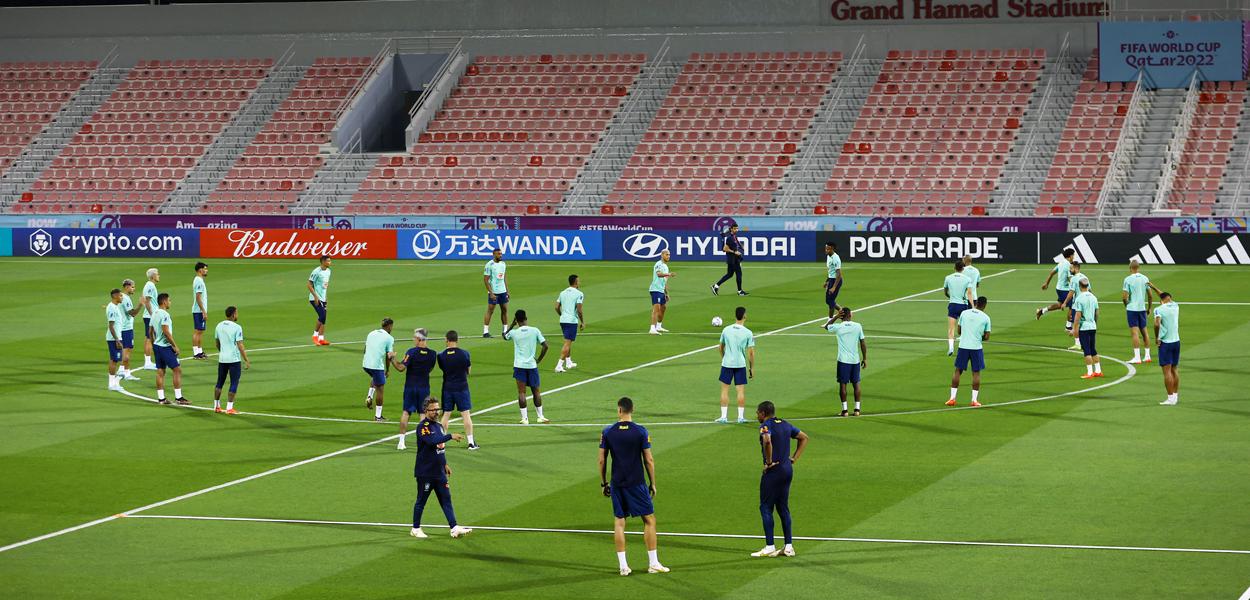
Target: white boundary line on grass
(709, 535)
(1245, 595)
(1051, 301)
(293, 465)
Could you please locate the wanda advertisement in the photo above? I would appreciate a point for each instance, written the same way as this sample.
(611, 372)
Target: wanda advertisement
(297, 243)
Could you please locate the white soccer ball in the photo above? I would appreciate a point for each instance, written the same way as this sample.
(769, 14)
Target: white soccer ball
(716, 322)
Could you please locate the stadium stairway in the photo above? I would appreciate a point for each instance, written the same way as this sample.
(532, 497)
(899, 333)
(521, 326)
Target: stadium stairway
(234, 139)
(625, 130)
(1236, 180)
(1041, 129)
(45, 148)
(332, 188)
(1144, 165)
(801, 187)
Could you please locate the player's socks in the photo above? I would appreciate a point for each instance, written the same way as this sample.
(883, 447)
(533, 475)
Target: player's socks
(369, 395)
(856, 406)
(653, 557)
(950, 345)
(620, 558)
(470, 438)
(844, 407)
(1136, 354)
(1147, 359)
(1089, 369)
(954, 393)
(525, 414)
(486, 330)
(975, 393)
(216, 404)
(724, 412)
(741, 413)
(196, 350)
(160, 395)
(1098, 368)
(177, 393)
(539, 410)
(377, 412)
(230, 405)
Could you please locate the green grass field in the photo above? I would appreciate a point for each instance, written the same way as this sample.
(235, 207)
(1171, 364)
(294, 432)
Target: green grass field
(1051, 460)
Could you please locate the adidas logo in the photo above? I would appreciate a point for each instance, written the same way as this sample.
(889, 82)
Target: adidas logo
(1084, 254)
(1154, 253)
(1231, 253)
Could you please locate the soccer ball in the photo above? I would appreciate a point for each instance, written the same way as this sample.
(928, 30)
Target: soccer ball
(716, 322)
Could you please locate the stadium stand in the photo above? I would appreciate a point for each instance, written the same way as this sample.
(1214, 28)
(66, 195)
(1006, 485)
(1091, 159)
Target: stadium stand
(512, 137)
(31, 94)
(147, 136)
(935, 132)
(725, 135)
(1207, 148)
(277, 165)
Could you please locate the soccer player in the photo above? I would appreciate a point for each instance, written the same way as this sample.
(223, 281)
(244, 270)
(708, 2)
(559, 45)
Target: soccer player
(852, 354)
(1137, 304)
(973, 274)
(199, 311)
(974, 329)
(1074, 281)
(495, 278)
(1085, 328)
(230, 353)
(958, 289)
(659, 293)
(737, 364)
(775, 436)
(524, 366)
(629, 445)
(733, 261)
(113, 338)
(455, 363)
(379, 354)
(129, 310)
(569, 307)
(1168, 337)
(431, 471)
(417, 363)
(833, 283)
(165, 351)
(318, 285)
(1062, 286)
(149, 305)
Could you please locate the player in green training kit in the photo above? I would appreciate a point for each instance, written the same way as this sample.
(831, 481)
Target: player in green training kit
(165, 351)
(113, 337)
(149, 305)
(318, 285)
(1085, 328)
(973, 274)
(852, 354)
(958, 290)
(199, 311)
(833, 281)
(1063, 287)
(1074, 280)
(230, 353)
(525, 340)
(659, 293)
(737, 364)
(1137, 304)
(1168, 336)
(379, 354)
(974, 329)
(569, 307)
(495, 278)
(129, 310)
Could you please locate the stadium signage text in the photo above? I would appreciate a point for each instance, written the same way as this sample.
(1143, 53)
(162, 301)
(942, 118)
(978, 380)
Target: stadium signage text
(1170, 52)
(80, 242)
(686, 245)
(429, 244)
(296, 243)
(932, 10)
(924, 248)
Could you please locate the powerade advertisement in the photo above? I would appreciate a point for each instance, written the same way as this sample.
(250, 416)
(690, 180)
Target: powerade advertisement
(430, 244)
(106, 242)
(702, 245)
(1170, 51)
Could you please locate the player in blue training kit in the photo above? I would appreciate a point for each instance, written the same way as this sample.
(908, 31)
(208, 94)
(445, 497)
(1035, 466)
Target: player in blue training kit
(455, 363)
(432, 471)
(416, 365)
(629, 445)
(775, 436)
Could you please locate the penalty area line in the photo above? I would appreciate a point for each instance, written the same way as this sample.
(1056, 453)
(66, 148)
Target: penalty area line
(706, 535)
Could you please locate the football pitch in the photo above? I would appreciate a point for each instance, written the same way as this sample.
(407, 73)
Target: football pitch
(1058, 487)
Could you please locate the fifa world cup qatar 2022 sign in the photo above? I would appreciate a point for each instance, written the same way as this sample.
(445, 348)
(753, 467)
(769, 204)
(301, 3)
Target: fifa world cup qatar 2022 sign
(1170, 53)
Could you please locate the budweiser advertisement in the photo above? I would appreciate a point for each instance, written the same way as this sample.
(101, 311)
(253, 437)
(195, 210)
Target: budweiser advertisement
(297, 243)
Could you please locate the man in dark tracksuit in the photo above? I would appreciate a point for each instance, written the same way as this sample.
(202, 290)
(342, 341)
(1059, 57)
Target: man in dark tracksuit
(733, 261)
(775, 436)
(431, 470)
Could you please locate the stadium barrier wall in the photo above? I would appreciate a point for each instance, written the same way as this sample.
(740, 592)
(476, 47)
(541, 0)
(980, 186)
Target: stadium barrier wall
(6, 242)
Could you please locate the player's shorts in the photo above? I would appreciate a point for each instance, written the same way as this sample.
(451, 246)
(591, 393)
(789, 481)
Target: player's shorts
(200, 322)
(965, 355)
(775, 485)
(527, 376)
(1061, 296)
(569, 330)
(164, 357)
(320, 309)
(128, 339)
(1169, 354)
(848, 372)
(499, 299)
(632, 501)
(660, 298)
(1087, 342)
(147, 328)
(953, 310)
(831, 299)
(232, 369)
(733, 375)
(458, 400)
(115, 353)
(414, 399)
(1136, 318)
(377, 375)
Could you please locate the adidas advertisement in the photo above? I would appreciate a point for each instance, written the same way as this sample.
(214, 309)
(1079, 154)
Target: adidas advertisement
(1149, 249)
(936, 247)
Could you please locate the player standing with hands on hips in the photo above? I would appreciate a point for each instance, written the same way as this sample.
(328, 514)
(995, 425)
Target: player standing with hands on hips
(775, 436)
(733, 261)
(629, 445)
(659, 293)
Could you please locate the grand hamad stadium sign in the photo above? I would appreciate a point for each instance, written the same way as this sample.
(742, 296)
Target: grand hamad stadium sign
(932, 10)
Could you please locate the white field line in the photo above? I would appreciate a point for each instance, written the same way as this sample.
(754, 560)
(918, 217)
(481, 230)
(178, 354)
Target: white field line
(1245, 595)
(477, 263)
(293, 465)
(1052, 300)
(711, 535)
